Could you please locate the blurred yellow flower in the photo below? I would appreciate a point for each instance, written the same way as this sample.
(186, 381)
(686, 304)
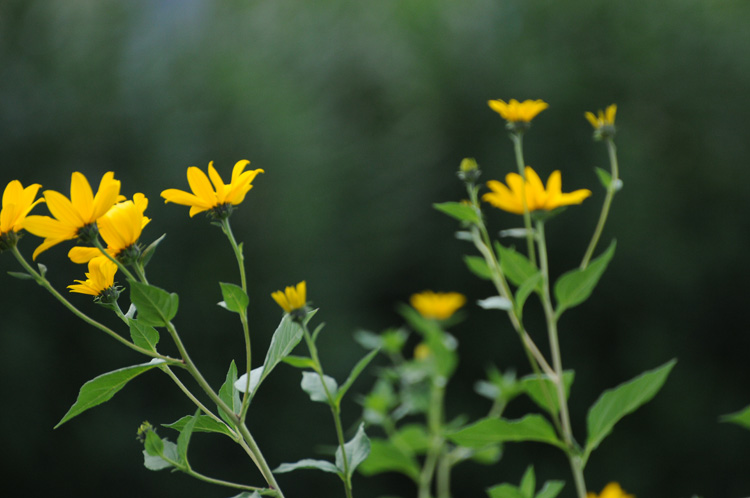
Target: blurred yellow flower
(100, 277)
(611, 490)
(437, 305)
(604, 118)
(515, 111)
(17, 203)
(120, 228)
(72, 216)
(421, 351)
(205, 197)
(510, 198)
(292, 298)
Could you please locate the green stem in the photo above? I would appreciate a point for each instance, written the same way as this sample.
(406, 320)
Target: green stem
(43, 282)
(435, 427)
(335, 408)
(189, 471)
(227, 229)
(571, 450)
(120, 266)
(517, 138)
(611, 190)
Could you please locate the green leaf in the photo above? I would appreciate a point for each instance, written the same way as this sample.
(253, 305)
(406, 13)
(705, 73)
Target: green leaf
(459, 211)
(534, 387)
(604, 177)
(357, 450)
(478, 266)
(287, 335)
(551, 489)
(515, 266)
(156, 307)
(413, 437)
(741, 418)
(235, 299)
(387, 457)
(183, 440)
(143, 336)
(159, 453)
(20, 275)
(528, 483)
(615, 403)
(299, 361)
(102, 388)
(312, 385)
(229, 395)
(493, 430)
(440, 344)
(505, 491)
(247, 494)
(148, 253)
(358, 368)
(575, 286)
(202, 423)
(525, 290)
(489, 455)
(307, 463)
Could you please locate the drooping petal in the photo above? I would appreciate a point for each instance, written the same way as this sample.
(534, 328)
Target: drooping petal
(184, 198)
(80, 255)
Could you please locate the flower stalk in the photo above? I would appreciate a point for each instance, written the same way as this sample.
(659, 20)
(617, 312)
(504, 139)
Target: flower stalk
(612, 188)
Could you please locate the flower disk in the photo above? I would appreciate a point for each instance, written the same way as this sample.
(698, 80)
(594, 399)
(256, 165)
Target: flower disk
(293, 298)
(437, 305)
(511, 197)
(71, 215)
(204, 196)
(611, 490)
(515, 111)
(17, 203)
(100, 277)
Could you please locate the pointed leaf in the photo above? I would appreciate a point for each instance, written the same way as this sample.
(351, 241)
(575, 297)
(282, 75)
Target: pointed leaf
(149, 252)
(183, 440)
(478, 266)
(299, 361)
(235, 299)
(242, 385)
(287, 335)
(358, 368)
(535, 388)
(413, 437)
(229, 395)
(528, 483)
(313, 386)
(515, 266)
(615, 403)
(575, 286)
(741, 418)
(307, 463)
(387, 457)
(604, 177)
(505, 491)
(20, 275)
(495, 303)
(156, 307)
(525, 290)
(493, 430)
(102, 388)
(143, 335)
(356, 450)
(459, 211)
(203, 423)
(159, 453)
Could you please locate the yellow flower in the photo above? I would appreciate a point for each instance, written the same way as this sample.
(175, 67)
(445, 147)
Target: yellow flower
(515, 111)
(437, 305)
(100, 277)
(537, 197)
(17, 203)
(611, 490)
(120, 228)
(605, 118)
(72, 218)
(216, 198)
(422, 351)
(293, 298)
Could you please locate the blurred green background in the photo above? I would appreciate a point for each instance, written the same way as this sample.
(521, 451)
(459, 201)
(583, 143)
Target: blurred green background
(360, 113)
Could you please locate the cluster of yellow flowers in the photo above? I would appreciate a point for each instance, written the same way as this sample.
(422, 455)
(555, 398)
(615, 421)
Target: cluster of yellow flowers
(120, 221)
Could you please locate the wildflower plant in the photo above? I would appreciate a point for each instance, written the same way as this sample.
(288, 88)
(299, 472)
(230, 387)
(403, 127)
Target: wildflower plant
(406, 407)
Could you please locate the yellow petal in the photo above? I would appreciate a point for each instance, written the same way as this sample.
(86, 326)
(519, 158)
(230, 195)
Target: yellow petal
(82, 255)
(592, 119)
(239, 167)
(63, 210)
(81, 196)
(44, 226)
(216, 180)
(107, 195)
(201, 187)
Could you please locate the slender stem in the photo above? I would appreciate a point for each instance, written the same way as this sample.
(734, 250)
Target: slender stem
(517, 138)
(227, 229)
(141, 272)
(43, 282)
(444, 475)
(571, 451)
(611, 190)
(189, 471)
(435, 427)
(335, 408)
(120, 266)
